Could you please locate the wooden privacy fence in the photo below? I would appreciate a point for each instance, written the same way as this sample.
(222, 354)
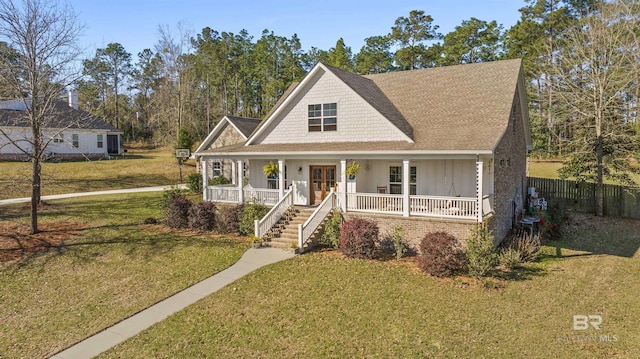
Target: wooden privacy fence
(619, 201)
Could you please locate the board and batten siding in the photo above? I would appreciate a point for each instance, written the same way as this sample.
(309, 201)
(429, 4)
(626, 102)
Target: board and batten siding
(357, 120)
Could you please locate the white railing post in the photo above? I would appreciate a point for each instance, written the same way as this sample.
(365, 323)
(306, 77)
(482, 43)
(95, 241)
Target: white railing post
(280, 179)
(240, 183)
(205, 183)
(300, 236)
(343, 182)
(479, 185)
(256, 228)
(406, 174)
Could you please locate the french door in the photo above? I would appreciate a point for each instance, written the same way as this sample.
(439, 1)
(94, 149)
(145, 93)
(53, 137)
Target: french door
(323, 178)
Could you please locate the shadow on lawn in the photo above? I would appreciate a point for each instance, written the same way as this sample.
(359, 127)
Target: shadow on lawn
(587, 235)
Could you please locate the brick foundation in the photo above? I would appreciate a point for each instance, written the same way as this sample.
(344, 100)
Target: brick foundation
(415, 228)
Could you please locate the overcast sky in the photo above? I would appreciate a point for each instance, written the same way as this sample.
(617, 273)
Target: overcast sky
(134, 23)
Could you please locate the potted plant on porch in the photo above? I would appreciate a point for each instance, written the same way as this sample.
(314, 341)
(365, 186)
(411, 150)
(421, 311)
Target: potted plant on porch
(271, 170)
(352, 170)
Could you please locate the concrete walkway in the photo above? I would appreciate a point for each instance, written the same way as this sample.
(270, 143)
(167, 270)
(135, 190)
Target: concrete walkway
(83, 194)
(251, 260)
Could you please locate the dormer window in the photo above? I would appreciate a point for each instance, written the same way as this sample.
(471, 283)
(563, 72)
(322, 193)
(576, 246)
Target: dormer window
(323, 117)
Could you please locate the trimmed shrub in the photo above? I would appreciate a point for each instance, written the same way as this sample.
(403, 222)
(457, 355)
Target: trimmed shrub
(358, 238)
(170, 195)
(219, 180)
(178, 212)
(251, 212)
(397, 239)
(331, 234)
(202, 216)
(228, 218)
(194, 182)
(441, 255)
(481, 254)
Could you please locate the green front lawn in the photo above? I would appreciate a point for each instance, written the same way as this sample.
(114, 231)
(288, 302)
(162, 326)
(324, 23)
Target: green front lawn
(139, 168)
(114, 267)
(320, 305)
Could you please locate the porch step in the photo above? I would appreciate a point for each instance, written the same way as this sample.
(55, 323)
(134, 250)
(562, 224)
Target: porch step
(285, 233)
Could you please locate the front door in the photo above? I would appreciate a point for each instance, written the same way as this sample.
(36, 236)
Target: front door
(323, 179)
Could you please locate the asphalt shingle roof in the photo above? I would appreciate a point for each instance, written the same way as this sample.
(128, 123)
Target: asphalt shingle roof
(244, 124)
(62, 117)
(452, 108)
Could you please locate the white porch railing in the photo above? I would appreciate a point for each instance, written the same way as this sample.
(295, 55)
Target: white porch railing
(231, 194)
(374, 202)
(265, 196)
(228, 194)
(423, 206)
(443, 207)
(274, 215)
(313, 222)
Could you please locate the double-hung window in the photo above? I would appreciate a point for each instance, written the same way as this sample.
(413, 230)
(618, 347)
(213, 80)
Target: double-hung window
(58, 138)
(217, 168)
(100, 142)
(395, 179)
(323, 117)
(74, 140)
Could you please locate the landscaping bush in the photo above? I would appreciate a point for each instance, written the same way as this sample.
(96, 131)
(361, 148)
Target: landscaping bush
(510, 257)
(219, 180)
(331, 234)
(397, 239)
(178, 212)
(441, 255)
(251, 212)
(553, 218)
(228, 218)
(202, 216)
(524, 242)
(481, 255)
(170, 195)
(194, 182)
(358, 238)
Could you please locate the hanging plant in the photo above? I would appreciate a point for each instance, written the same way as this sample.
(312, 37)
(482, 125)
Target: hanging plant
(352, 170)
(271, 170)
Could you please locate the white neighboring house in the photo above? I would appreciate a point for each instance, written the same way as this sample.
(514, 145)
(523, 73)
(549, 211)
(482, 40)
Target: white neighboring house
(70, 133)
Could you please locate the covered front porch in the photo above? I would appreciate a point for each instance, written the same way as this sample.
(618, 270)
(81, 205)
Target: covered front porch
(438, 187)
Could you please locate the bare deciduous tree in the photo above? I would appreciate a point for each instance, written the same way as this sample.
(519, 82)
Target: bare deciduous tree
(44, 35)
(597, 72)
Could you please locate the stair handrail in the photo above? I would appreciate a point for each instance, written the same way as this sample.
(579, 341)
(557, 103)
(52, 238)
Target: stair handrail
(313, 222)
(273, 216)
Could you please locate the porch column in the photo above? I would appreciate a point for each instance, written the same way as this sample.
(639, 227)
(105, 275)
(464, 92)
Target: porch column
(205, 182)
(240, 181)
(406, 174)
(281, 179)
(343, 185)
(479, 175)
(234, 173)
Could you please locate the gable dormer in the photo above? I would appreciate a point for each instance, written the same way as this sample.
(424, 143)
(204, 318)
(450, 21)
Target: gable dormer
(329, 106)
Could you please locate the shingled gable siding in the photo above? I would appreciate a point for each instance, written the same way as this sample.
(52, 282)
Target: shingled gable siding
(511, 176)
(357, 120)
(227, 136)
(414, 228)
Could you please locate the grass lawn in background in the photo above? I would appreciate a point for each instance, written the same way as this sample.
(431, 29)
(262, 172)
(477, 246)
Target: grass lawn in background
(109, 267)
(321, 305)
(139, 168)
(549, 169)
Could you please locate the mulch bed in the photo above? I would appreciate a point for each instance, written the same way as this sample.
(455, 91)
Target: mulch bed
(16, 244)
